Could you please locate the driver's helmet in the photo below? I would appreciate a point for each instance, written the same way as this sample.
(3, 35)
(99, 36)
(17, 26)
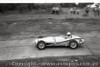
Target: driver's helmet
(68, 33)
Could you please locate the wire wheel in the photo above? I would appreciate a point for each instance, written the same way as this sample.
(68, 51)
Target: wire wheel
(41, 45)
(73, 44)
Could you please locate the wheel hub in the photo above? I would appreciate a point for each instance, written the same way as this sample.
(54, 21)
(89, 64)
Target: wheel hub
(41, 45)
(73, 45)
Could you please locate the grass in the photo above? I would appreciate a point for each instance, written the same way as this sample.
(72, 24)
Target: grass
(38, 27)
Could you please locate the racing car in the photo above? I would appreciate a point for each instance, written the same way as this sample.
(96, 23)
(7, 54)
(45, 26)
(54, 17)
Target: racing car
(73, 41)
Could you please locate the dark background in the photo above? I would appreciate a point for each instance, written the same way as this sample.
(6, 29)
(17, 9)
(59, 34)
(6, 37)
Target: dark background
(25, 7)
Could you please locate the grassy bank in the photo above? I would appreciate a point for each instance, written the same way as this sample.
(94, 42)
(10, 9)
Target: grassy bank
(36, 27)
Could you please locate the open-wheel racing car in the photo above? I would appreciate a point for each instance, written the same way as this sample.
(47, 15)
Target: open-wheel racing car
(73, 41)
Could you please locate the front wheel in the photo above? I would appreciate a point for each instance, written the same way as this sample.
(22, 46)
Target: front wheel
(41, 45)
(73, 44)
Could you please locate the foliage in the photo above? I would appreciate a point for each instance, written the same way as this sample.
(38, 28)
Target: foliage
(23, 7)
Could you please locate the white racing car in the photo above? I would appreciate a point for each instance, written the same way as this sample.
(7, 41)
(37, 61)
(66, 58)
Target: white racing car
(73, 41)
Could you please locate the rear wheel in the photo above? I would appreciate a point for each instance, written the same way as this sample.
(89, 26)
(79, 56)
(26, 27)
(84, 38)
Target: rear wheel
(73, 44)
(41, 45)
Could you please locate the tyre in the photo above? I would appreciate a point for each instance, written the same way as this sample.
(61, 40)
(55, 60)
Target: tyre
(41, 45)
(73, 44)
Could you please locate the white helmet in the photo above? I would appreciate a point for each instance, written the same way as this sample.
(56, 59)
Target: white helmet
(68, 33)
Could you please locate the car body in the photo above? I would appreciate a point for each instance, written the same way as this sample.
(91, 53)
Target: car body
(73, 41)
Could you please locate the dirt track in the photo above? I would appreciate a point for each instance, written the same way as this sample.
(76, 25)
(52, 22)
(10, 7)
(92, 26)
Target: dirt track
(16, 49)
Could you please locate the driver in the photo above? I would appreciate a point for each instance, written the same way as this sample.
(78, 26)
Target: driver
(68, 34)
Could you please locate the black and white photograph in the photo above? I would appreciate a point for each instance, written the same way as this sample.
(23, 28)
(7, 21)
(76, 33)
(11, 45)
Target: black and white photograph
(50, 34)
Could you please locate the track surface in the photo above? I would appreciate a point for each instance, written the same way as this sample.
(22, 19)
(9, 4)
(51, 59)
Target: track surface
(17, 49)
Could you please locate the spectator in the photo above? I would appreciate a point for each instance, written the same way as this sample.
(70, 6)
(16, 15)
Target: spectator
(96, 11)
(87, 10)
(74, 10)
(78, 11)
(71, 10)
(55, 10)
